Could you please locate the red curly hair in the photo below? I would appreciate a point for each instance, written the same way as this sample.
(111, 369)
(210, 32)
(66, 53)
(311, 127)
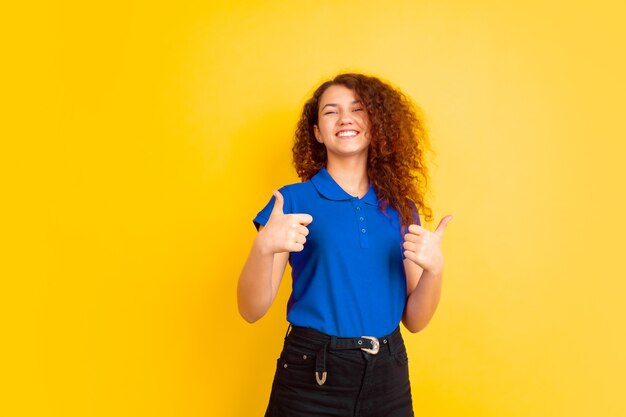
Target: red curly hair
(398, 143)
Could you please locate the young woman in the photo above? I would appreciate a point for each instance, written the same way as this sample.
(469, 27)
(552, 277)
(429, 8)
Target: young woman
(361, 262)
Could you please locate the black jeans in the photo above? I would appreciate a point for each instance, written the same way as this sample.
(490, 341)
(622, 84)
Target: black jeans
(356, 384)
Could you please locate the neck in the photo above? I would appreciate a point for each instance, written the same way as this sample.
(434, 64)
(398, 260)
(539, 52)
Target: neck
(351, 175)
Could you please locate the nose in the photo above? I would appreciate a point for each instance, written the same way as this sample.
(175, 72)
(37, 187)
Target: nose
(345, 118)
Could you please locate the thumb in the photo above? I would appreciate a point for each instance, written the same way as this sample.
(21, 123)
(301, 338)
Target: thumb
(278, 204)
(442, 225)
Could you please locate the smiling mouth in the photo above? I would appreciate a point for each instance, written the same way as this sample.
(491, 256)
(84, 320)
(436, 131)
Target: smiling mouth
(347, 133)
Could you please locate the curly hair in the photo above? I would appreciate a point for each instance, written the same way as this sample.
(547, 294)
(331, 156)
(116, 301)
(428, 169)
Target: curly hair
(396, 157)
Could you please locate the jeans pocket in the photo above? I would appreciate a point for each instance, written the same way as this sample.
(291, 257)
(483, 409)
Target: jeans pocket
(296, 366)
(401, 356)
(297, 357)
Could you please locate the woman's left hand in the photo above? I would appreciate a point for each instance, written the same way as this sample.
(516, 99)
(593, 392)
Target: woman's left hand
(424, 247)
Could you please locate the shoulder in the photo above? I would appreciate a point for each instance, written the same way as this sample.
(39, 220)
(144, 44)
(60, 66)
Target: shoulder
(298, 185)
(289, 193)
(292, 194)
(297, 189)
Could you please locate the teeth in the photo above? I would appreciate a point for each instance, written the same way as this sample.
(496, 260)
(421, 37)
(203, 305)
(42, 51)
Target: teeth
(347, 133)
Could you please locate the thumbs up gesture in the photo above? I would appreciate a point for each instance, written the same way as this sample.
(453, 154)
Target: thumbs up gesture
(285, 232)
(424, 247)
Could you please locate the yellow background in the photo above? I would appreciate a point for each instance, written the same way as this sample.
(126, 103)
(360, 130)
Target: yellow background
(140, 139)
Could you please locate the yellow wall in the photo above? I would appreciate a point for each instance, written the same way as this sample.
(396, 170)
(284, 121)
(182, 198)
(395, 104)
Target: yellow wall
(142, 139)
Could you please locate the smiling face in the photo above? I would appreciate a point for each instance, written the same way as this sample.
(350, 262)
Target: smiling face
(343, 123)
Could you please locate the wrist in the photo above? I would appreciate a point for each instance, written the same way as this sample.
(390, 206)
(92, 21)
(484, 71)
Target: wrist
(262, 245)
(434, 272)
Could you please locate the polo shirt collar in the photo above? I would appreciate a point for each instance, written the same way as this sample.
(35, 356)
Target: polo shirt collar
(329, 188)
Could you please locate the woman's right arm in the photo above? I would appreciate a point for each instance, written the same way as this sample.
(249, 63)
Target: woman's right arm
(259, 280)
(263, 271)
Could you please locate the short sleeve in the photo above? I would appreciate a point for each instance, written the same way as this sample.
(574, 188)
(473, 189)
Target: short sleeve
(416, 215)
(415, 220)
(264, 215)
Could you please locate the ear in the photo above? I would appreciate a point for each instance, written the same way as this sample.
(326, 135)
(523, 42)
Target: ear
(318, 135)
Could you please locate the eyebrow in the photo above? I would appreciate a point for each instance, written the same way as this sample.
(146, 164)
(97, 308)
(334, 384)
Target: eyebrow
(335, 105)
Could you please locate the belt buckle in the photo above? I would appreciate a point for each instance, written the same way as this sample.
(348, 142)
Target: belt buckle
(375, 345)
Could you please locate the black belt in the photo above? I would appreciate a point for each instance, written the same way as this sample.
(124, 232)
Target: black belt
(368, 344)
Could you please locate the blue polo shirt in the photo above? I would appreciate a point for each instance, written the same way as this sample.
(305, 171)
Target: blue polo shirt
(349, 280)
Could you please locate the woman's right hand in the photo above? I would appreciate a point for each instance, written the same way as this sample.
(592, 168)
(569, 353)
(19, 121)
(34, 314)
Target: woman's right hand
(284, 232)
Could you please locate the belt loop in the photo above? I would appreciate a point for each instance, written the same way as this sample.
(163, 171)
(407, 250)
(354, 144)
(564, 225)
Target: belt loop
(333, 342)
(388, 343)
(392, 339)
(320, 365)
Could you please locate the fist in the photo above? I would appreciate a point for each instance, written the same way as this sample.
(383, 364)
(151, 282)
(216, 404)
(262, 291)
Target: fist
(424, 247)
(285, 232)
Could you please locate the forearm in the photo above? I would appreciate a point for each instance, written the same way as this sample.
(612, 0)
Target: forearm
(254, 289)
(422, 302)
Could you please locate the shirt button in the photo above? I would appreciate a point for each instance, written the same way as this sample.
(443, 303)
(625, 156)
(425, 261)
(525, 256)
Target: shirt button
(363, 230)
(358, 208)
(361, 218)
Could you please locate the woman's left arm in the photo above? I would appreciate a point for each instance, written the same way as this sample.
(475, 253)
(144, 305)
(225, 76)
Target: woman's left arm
(424, 271)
